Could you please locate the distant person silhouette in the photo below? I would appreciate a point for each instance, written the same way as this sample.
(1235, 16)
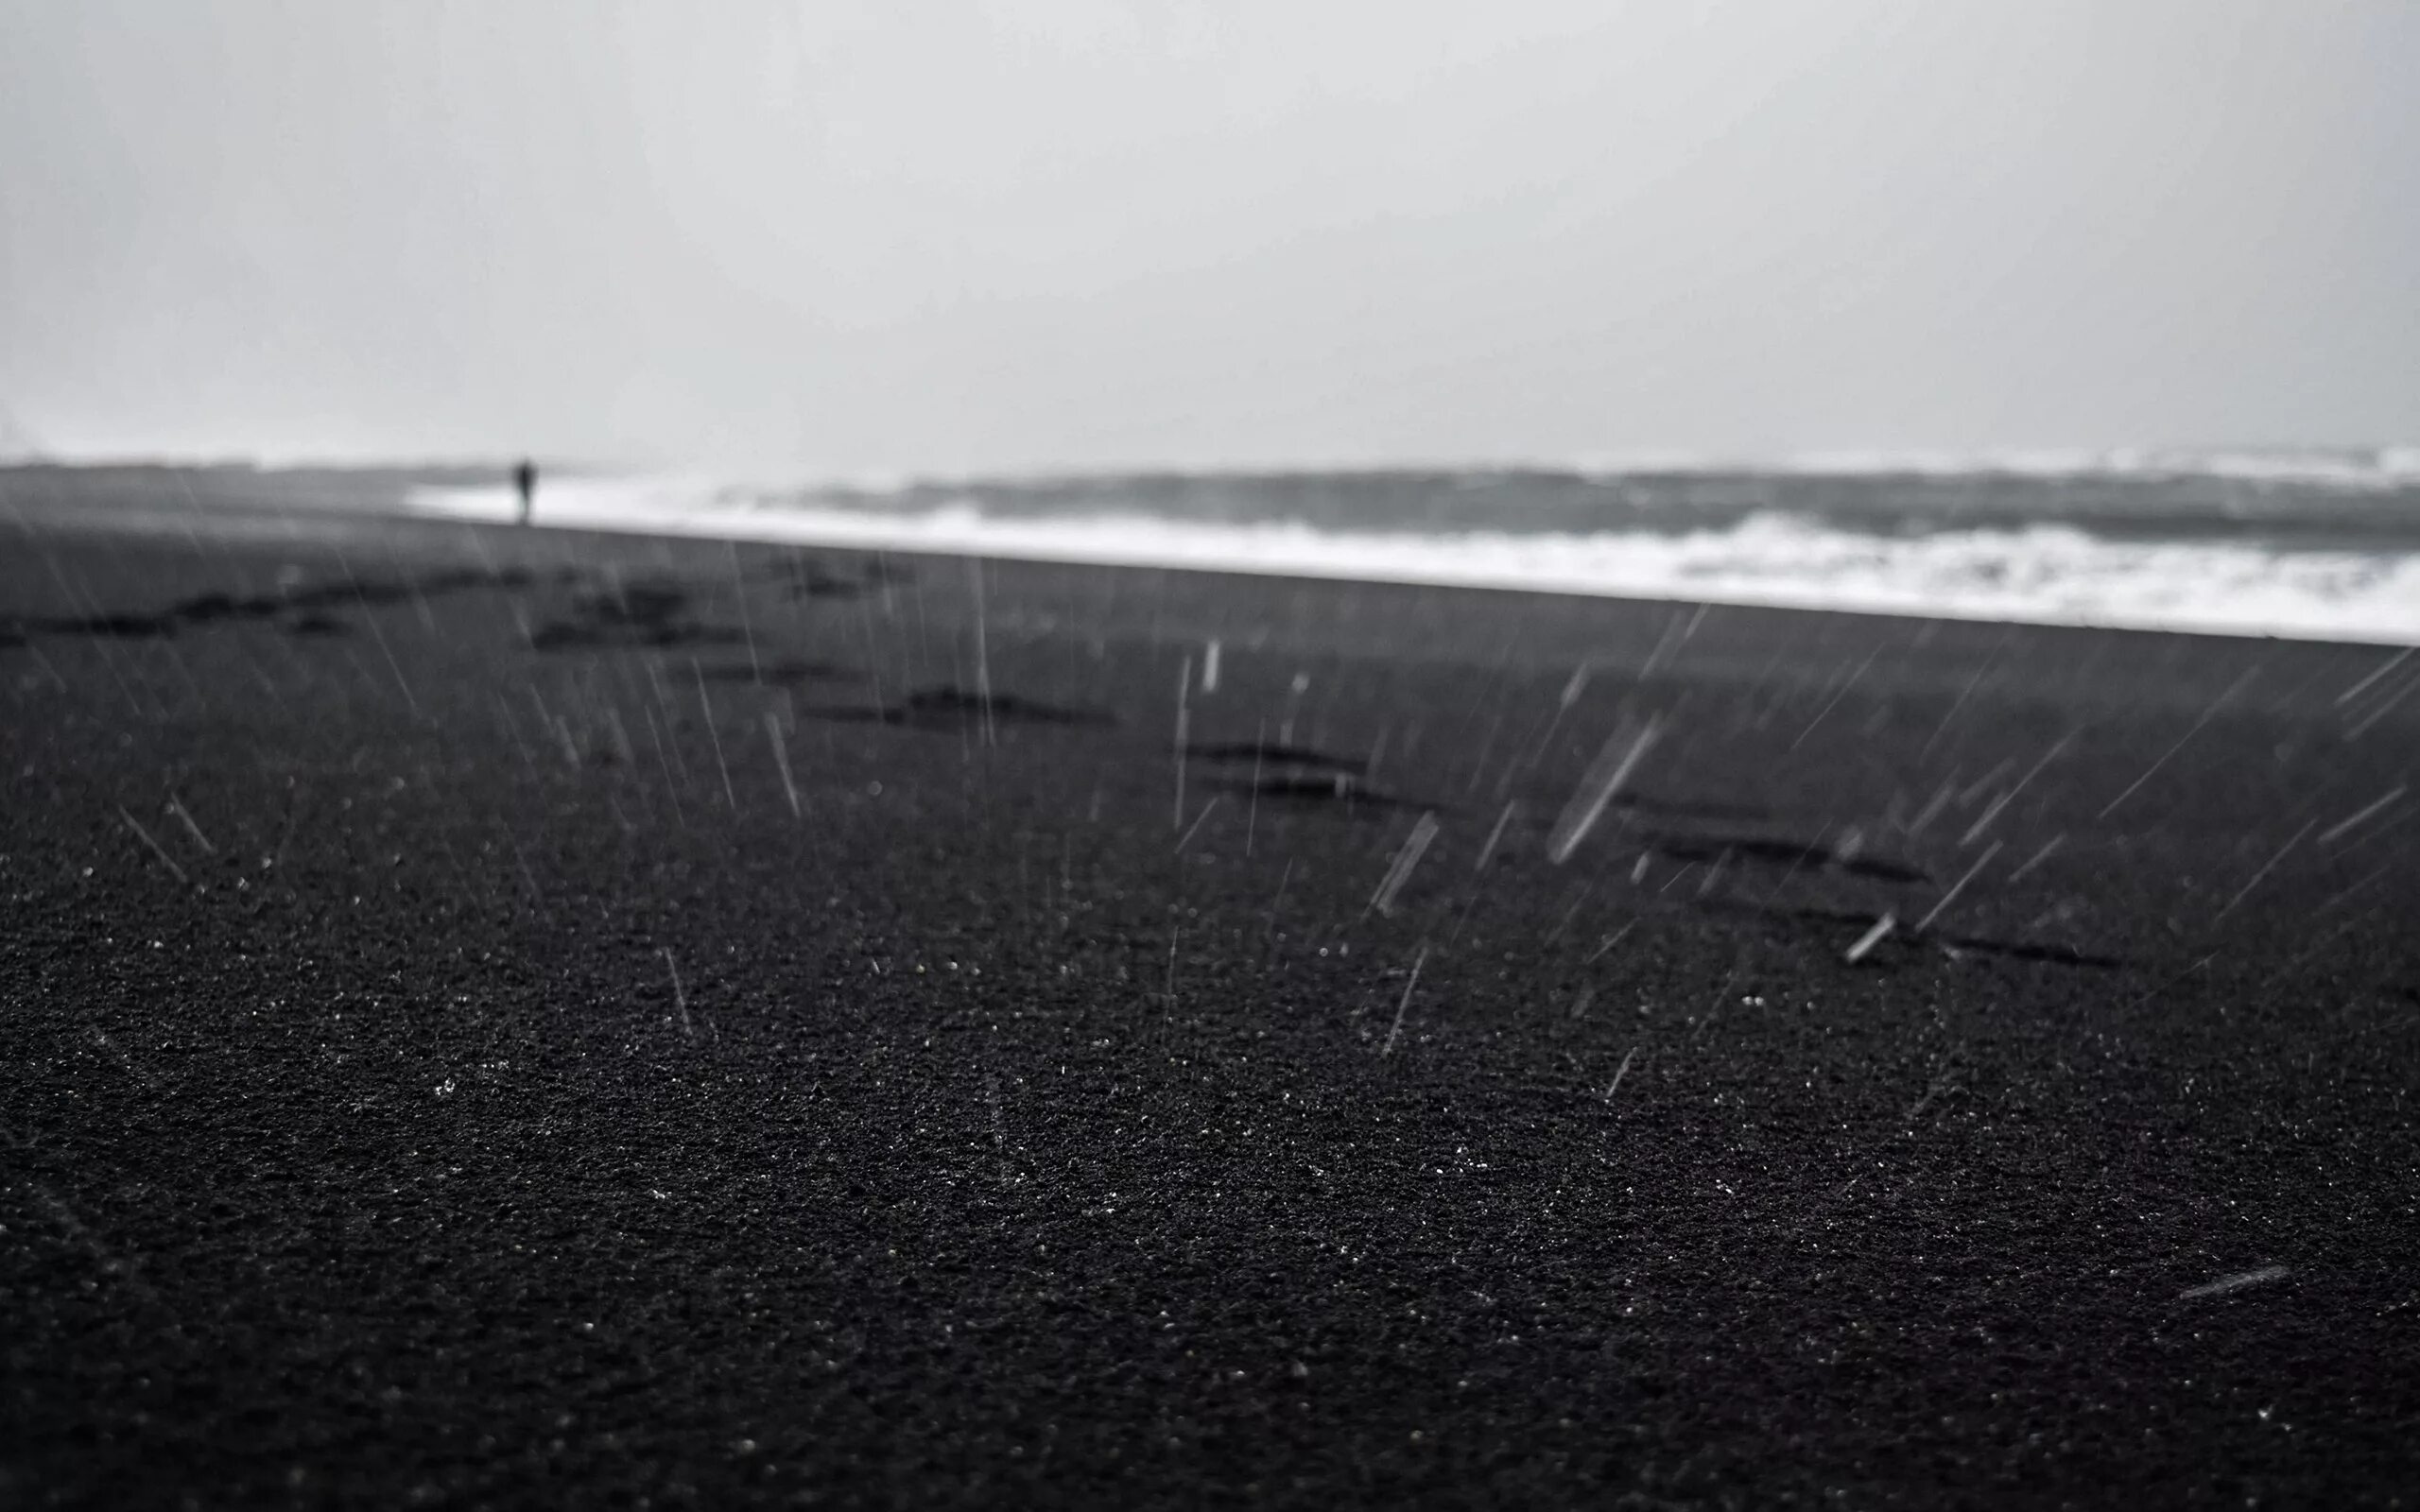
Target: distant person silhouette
(525, 477)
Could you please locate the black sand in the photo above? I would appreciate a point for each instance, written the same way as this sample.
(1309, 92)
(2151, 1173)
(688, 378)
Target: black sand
(441, 1067)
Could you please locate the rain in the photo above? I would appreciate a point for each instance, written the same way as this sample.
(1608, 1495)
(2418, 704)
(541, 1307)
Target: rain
(1464, 761)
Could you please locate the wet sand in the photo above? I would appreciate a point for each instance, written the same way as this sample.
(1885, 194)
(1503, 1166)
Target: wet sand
(501, 1016)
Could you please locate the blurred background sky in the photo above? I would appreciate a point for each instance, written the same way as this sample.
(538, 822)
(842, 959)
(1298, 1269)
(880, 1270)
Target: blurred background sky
(833, 237)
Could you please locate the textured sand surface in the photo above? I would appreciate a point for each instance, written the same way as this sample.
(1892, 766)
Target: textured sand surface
(494, 1019)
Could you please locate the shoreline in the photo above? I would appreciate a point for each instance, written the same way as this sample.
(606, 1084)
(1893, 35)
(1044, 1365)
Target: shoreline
(1756, 560)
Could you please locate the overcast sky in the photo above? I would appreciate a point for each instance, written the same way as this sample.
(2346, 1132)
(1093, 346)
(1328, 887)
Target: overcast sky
(819, 236)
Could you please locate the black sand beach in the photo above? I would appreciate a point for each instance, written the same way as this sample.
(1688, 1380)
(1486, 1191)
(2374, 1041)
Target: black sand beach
(507, 1019)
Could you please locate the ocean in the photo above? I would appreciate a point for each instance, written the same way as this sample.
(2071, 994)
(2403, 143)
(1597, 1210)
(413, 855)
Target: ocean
(2306, 544)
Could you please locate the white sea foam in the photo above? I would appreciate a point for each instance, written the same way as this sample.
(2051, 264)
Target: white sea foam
(2043, 575)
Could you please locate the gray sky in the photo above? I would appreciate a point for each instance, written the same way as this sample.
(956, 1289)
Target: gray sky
(899, 234)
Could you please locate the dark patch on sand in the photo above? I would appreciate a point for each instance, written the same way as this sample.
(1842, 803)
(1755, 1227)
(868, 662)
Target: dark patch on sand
(853, 714)
(1782, 853)
(787, 673)
(1340, 789)
(1296, 774)
(107, 627)
(808, 577)
(1269, 754)
(572, 636)
(945, 707)
(1907, 941)
(205, 609)
(650, 615)
(2023, 951)
(946, 702)
(306, 602)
